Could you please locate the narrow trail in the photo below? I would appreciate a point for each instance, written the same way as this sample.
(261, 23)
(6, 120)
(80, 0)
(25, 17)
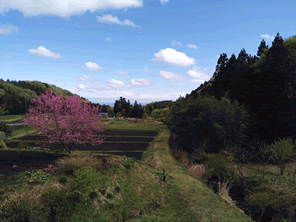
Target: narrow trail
(204, 204)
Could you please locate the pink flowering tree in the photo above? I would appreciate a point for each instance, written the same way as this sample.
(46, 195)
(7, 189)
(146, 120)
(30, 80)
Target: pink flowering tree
(65, 120)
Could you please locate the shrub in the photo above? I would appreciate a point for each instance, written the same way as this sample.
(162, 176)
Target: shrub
(115, 167)
(59, 204)
(129, 163)
(63, 179)
(2, 144)
(103, 191)
(117, 189)
(14, 210)
(93, 195)
(85, 180)
(109, 196)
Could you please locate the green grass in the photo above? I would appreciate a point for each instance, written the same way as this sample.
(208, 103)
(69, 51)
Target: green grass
(10, 118)
(141, 197)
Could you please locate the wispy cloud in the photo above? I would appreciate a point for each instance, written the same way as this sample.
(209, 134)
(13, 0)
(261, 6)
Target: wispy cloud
(141, 82)
(198, 74)
(93, 66)
(7, 29)
(173, 57)
(87, 78)
(163, 2)
(42, 51)
(171, 76)
(146, 69)
(66, 8)
(192, 46)
(119, 72)
(108, 39)
(4, 55)
(109, 19)
(177, 43)
(267, 37)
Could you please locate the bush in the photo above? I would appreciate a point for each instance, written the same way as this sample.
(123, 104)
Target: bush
(93, 195)
(63, 179)
(117, 189)
(15, 211)
(59, 204)
(109, 196)
(2, 144)
(103, 191)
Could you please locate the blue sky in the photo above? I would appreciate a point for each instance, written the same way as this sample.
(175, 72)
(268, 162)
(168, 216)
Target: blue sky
(144, 50)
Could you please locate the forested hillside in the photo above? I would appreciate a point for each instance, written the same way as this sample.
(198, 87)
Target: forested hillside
(16, 96)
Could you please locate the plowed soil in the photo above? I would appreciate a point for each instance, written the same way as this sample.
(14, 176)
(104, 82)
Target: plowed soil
(89, 147)
(29, 160)
(136, 139)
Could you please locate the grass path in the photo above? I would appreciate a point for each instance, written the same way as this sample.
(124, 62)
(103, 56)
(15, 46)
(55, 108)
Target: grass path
(192, 201)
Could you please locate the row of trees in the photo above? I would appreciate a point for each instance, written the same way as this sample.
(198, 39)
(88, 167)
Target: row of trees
(259, 103)
(125, 109)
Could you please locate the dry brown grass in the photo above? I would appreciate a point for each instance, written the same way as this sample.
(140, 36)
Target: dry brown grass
(74, 162)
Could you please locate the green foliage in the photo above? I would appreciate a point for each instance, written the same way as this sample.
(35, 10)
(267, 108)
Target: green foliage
(116, 167)
(93, 195)
(117, 189)
(3, 109)
(103, 191)
(110, 196)
(60, 205)
(63, 179)
(218, 167)
(5, 128)
(16, 210)
(2, 144)
(37, 176)
(129, 163)
(85, 180)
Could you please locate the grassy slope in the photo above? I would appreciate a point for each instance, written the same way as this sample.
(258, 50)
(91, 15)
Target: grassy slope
(191, 199)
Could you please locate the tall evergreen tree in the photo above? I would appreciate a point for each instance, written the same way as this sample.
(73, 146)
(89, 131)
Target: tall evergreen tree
(262, 47)
(275, 109)
(221, 64)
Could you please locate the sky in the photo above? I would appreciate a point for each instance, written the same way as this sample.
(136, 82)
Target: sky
(144, 50)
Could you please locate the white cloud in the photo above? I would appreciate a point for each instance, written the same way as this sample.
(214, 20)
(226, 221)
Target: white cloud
(44, 52)
(164, 1)
(217, 56)
(141, 82)
(192, 46)
(176, 43)
(171, 56)
(65, 8)
(108, 39)
(81, 86)
(198, 74)
(4, 55)
(119, 72)
(7, 29)
(115, 83)
(197, 80)
(87, 78)
(93, 66)
(114, 20)
(146, 69)
(268, 37)
(170, 75)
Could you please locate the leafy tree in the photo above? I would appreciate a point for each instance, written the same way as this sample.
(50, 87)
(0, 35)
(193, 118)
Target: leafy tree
(68, 121)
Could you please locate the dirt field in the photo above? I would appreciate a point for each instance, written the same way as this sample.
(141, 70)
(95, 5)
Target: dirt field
(137, 139)
(102, 147)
